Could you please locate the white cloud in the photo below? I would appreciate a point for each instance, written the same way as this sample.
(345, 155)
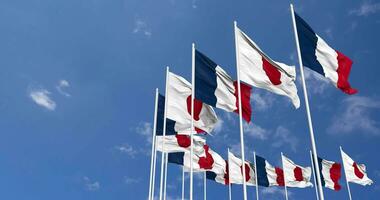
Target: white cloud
(366, 8)
(273, 191)
(41, 97)
(194, 4)
(316, 83)
(256, 131)
(145, 129)
(262, 100)
(283, 137)
(129, 180)
(218, 126)
(142, 28)
(355, 115)
(127, 149)
(62, 84)
(329, 33)
(91, 185)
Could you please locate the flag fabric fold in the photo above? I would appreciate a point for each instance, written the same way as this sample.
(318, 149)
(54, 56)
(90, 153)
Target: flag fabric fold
(236, 171)
(321, 58)
(259, 70)
(296, 175)
(355, 173)
(267, 175)
(180, 143)
(330, 173)
(179, 108)
(215, 87)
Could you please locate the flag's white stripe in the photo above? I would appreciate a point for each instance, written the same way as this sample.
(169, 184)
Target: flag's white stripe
(271, 174)
(328, 58)
(225, 91)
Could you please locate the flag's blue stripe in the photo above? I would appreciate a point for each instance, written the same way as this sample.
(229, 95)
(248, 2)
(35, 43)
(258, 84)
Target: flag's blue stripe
(210, 175)
(308, 44)
(320, 171)
(176, 158)
(160, 118)
(205, 79)
(262, 177)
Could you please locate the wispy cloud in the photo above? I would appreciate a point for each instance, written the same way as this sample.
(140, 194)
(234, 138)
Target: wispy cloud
(42, 98)
(130, 180)
(218, 126)
(141, 27)
(283, 137)
(62, 85)
(355, 114)
(256, 131)
(127, 149)
(91, 185)
(316, 83)
(262, 100)
(274, 190)
(366, 8)
(145, 129)
(194, 4)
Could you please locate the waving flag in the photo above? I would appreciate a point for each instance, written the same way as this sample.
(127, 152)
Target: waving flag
(331, 173)
(320, 57)
(355, 173)
(222, 178)
(257, 69)
(236, 171)
(179, 107)
(215, 87)
(207, 161)
(296, 175)
(267, 175)
(180, 143)
(170, 124)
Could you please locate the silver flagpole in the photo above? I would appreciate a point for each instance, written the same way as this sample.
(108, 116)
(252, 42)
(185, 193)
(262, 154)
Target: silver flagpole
(183, 183)
(229, 175)
(166, 174)
(348, 185)
(314, 148)
(240, 113)
(154, 171)
(256, 178)
(192, 117)
(152, 159)
(286, 190)
(313, 167)
(204, 186)
(164, 133)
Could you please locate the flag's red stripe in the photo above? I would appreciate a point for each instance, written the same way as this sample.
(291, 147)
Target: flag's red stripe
(245, 100)
(344, 68)
(335, 175)
(272, 72)
(280, 176)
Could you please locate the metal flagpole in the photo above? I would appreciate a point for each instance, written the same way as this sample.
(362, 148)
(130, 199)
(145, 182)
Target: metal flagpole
(164, 133)
(154, 171)
(286, 190)
(183, 183)
(240, 113)
(204, 186)
(166, 174)
(192, 117)
(256, 178)
(315, 179)
(348, 185)
(314, 148)
(152, 159)
(229, 175)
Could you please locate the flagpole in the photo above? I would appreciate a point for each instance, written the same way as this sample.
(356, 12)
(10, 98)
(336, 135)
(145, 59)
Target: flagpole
(315, 181)
(286, 190)
(229, 174)
(204, 186)
(164, 132)
(192, 117)
(183, 183)
(348, 185)
(240, 113)
(154, 170)
(166, 174)
(151, 185)
(314, 148)
(256, 178)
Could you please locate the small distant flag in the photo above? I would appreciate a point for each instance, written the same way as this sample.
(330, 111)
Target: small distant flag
(222, 178)
(215, 87)
(259, 70)
(180, 143)
(331, 173)
(296, 175)
(321, 58)
(355, 173)
(179, 108)
(267, 175)
(236, 171)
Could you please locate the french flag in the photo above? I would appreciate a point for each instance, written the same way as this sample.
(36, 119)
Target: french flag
(170, 124)
(267, 175)
(216, 88)
(222, 178)
(321, 58)
(331, 173)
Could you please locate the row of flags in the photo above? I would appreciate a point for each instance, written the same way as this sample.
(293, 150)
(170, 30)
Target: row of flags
(189, 114)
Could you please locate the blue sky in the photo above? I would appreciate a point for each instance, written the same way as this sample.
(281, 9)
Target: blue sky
(77, 88)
